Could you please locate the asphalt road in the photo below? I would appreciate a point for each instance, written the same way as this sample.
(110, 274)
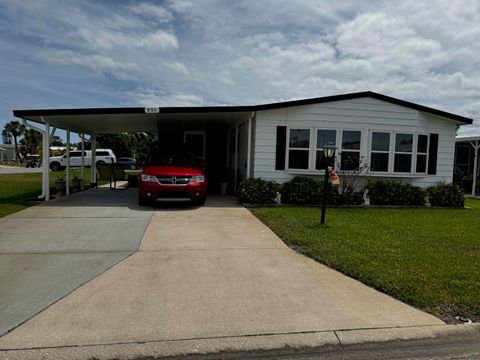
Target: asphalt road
(18, 170)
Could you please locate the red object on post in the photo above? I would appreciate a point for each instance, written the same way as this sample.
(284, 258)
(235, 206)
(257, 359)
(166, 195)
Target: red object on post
(333, 177)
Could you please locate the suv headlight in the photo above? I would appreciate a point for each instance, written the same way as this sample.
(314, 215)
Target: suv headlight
(197, 178)
(148, 178)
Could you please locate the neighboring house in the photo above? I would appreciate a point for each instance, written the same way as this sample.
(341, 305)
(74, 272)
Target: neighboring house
(398, 139)
(7, 153)
(467, 164)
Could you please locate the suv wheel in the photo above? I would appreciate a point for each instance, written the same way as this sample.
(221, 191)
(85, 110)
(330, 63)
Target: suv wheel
(142, 201)
(100, 163)
(200, 201)
(55, 166)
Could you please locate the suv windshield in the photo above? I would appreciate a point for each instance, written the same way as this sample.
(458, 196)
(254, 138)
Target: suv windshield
(157, 157)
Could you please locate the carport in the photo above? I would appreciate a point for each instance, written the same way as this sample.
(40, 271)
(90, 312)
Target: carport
(466, 158)
(226, 133)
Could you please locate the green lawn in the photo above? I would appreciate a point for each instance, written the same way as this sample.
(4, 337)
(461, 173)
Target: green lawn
(429, 258)
(18, 191)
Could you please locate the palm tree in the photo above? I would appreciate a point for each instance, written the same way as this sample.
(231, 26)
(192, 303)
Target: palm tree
(6, 137)
(15, 129)
(32, 140)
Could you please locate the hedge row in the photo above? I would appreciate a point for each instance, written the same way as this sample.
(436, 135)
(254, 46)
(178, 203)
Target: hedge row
(309, 191)
(299, 190)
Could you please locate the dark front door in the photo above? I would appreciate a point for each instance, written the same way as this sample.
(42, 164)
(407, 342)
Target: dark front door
(195, 144)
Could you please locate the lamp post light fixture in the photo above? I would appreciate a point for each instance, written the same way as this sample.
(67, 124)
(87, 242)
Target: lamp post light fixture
(328, 154)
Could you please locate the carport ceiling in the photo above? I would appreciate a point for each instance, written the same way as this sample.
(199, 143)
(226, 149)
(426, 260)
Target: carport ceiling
(114, 120)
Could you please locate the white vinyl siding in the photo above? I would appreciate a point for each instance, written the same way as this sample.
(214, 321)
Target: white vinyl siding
(363, 114)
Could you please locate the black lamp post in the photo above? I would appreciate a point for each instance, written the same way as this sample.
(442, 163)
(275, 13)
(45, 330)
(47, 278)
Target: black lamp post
(328, 154)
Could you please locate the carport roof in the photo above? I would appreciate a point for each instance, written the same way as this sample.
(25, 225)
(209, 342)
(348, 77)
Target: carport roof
(133, 119)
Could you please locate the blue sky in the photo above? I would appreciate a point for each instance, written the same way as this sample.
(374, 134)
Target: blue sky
(79, 53)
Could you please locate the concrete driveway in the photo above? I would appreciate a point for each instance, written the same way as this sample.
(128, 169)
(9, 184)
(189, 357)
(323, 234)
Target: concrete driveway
(48, 250)
(198, 273)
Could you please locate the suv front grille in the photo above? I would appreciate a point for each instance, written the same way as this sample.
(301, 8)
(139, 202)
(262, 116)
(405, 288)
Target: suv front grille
(173, 180)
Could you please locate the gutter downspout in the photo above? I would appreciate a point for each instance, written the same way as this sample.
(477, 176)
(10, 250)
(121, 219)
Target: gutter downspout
(67, 175)
(46, 156)
(93, 139)
(82, 171)
(45, 159)
(249, 144)
(476, 146)
(235, 176)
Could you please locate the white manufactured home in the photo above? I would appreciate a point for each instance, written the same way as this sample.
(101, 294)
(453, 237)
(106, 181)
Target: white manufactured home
(396, 138)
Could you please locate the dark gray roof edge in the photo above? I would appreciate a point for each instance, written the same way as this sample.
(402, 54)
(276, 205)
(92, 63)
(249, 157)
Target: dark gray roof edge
(130, 110)
(203, 109)
(362, 94)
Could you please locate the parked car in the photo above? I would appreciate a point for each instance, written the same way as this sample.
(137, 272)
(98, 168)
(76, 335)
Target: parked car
(102, 156)
(172, 177)
(127, 163)
(33, 161)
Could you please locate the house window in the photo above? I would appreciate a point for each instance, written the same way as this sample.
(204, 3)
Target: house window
(298, 148)
(422, 151)
(380, 151)
(324, 137)
(403, 153)
(350, 155)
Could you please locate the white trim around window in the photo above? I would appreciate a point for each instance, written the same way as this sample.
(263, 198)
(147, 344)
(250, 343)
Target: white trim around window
(353, 150)
(379, 150)
(288, 148)
(418, 159)
(421, 153)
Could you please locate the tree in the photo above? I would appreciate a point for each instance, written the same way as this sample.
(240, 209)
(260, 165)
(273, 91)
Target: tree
(15, 129)
(6, 137)
(129, 145)
(31, 142)
(56, 141)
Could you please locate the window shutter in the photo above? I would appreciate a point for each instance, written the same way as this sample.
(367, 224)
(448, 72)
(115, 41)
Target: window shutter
(432, 154)
(280, 149)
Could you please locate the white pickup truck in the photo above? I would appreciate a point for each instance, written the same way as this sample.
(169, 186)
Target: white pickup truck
(102, 156)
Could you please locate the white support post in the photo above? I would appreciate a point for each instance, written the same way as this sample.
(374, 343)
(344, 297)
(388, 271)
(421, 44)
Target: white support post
(67, 175)
(82, 169)
(235, 175)
(94, 159)
(249, 144)
(52, 133)
(476, 146)
(46, 157)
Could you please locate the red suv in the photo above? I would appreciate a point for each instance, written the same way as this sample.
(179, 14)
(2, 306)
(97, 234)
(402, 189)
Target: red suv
(172, 177)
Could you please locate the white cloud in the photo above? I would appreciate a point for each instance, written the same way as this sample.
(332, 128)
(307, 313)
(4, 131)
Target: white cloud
(178, 52)
(153, 97)
(157, 12)
(178, 67)
(95, 63)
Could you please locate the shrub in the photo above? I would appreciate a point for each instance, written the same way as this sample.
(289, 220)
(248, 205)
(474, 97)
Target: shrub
(257, 191)
(449, 195)
(302, 190)
(350, 198)
(305, 190)
(391, 192)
